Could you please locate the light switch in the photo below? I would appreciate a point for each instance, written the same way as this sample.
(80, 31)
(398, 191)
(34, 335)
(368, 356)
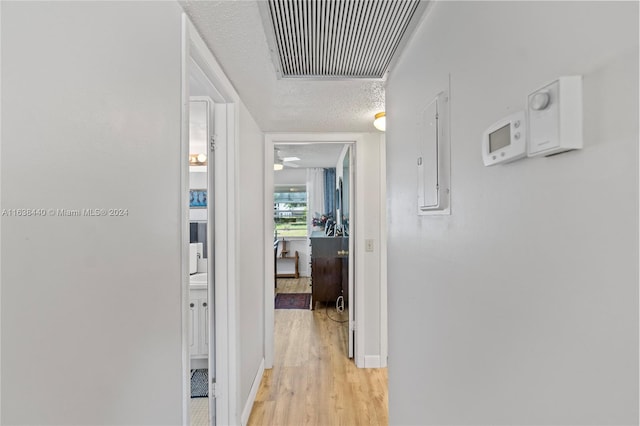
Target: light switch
(368, 245)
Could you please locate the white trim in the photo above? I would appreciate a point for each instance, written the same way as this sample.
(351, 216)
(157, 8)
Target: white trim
(212, 247)
(184, 223)
(225, 170)
(252, 394)
(0, 226)
(210, 67)
(373, 361)
(220, 304)
(384, 325)
(269, 267)
(232, 294)
(357, 234)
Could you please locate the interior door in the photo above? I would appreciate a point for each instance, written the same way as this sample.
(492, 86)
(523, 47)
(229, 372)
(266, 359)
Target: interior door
(201, 135)
(210, 336)
(348, 202)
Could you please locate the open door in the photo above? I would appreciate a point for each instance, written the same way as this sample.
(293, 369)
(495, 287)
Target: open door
(202, 265)
(347, 220)
(211, 288)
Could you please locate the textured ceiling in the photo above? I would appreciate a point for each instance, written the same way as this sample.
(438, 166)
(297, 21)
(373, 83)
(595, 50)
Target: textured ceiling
(234, 32)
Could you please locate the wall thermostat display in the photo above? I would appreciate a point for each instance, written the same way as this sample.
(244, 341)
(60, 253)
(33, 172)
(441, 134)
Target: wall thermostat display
(505, 140)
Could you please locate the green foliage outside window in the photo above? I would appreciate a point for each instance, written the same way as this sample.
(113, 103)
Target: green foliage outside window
(290, 213)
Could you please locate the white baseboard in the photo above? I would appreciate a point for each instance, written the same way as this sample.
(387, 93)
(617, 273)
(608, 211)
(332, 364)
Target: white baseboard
(252, 394)
(373, 361)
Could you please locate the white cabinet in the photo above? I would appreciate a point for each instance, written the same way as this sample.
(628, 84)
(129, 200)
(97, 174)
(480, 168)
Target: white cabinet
(198, 324)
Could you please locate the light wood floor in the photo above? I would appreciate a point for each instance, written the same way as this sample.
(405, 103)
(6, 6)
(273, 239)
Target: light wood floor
(313, 382)
(293, 285)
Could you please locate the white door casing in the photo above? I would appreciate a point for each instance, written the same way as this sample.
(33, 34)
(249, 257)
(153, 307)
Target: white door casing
(198, 60)
(356, 240)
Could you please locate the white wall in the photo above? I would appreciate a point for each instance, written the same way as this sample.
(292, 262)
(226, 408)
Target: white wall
(372, 228)
(290, 176)
(301, 245)
(91, 306)
(250, 253)
(522, 306)
(197, 179)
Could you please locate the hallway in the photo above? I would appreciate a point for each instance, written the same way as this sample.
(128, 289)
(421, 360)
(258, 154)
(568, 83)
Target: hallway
(312, 381)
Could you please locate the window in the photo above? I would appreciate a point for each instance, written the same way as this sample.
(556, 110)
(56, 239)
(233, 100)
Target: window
(290, 211)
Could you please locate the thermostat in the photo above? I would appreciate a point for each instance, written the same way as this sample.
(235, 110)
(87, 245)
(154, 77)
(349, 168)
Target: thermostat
(555, 117)
(505, 140)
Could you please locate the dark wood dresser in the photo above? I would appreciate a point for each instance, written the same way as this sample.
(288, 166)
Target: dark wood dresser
(329, 268)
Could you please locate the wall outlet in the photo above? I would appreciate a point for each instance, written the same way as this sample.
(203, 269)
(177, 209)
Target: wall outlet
(368, 245)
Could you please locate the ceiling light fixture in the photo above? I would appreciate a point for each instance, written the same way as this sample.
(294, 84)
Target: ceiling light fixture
(380, 121)
(197, 159)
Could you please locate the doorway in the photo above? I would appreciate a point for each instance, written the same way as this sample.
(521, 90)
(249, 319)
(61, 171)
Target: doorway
(311, 206)
(376, 312)
(201, 220)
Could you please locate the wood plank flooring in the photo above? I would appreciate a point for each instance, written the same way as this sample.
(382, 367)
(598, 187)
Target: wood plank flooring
(313, 382)
(293, 285)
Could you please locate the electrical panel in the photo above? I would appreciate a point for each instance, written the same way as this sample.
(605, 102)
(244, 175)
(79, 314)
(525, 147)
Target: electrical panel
(433, 163)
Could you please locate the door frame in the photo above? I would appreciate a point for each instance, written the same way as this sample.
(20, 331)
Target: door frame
(222, 323)
(357, 299)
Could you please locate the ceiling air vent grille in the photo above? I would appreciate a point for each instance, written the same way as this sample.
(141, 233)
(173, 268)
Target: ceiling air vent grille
(338, 38)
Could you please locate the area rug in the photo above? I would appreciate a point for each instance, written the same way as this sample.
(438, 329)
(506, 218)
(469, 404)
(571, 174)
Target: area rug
(199, 383)
(293, 300)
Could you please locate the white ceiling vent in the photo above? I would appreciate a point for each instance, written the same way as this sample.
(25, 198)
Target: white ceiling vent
(341, 39)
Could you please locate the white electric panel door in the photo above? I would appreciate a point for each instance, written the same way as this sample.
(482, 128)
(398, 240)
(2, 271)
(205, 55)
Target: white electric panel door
(428, 184)
(433, 158)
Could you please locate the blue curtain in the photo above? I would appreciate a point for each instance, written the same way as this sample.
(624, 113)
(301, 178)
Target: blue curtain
(330, 191)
